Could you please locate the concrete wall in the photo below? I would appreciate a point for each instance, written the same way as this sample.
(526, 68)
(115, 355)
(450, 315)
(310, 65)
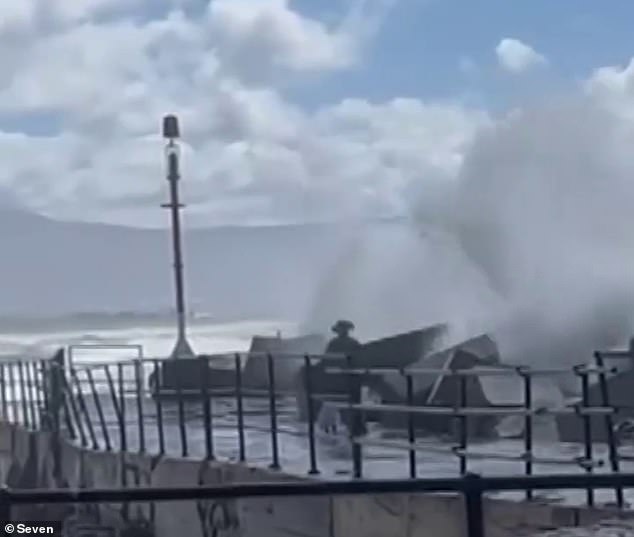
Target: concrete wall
(26, 461)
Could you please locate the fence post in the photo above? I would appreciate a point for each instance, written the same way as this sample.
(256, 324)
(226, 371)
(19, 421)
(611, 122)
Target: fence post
(30, 395)
(310, 412)
(38, 394)
(609, 425)
(182, 426)
(528, 424)
(355, 420)
(411, 426)
(159, 406)
(100, 414)
(463, 422)
(139, 386)
(14, 395)
(473, 505)
(56, 388)
(54, 401)
(83, 409)
(23, 397)
(275, 464)
(207, 410)
(586, 420)
(240, 408)
(123, 432)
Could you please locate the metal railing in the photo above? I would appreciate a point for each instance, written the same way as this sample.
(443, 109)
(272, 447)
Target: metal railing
(102, 400)
(471, 486)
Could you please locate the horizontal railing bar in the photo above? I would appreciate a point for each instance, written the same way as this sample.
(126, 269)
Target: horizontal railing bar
(477, 411)
(403, 444)
(280, 430)
(24, 360)
(228, 357)
(90, 364)
(582, 462)
(486, 372)
(458, 452)
(495, 370)
(468, 484)
(614, 354)
(473, 372)
(113, 346)
(217, 392)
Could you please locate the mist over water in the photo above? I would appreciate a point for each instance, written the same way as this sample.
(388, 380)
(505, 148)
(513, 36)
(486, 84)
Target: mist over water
(532, 242)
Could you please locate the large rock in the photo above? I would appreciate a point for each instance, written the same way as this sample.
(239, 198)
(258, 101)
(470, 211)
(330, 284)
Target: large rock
(188, 376)
(256, 370)
(399, 350)
(439, 390)
(188, 373)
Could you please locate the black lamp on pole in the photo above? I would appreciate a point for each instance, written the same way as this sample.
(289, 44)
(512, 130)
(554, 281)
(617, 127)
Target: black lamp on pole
(171, 133)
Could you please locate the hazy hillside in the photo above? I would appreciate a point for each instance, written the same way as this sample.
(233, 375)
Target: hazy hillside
(51, 268)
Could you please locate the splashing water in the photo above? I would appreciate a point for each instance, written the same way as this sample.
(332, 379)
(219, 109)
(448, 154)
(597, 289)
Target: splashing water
(531, 241)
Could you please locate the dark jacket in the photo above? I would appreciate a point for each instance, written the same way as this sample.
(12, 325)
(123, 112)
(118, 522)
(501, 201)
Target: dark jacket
(342, 344)
(345, 345)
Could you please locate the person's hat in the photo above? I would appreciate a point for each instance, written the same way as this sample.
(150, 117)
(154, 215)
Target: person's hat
(342, 325)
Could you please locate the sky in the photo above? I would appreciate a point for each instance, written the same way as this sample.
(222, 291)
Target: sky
(290, 110)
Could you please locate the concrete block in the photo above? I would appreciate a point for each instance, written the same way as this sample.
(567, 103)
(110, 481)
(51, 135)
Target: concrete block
(6, 450)
(587, 516)
(45, 460)
(305, 516)
(71, 458)
(256, 374)
(177, 518)
(22, 445)
(371, 516)
(508, 519)
(431, 515)
(6, 438)
(175, 472)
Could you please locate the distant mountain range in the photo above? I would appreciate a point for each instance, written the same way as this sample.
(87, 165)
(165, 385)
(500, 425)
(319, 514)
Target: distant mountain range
(52, 268)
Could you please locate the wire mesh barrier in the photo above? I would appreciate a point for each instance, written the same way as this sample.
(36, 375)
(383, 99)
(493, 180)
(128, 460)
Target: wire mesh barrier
(127, 405)
(471, 486)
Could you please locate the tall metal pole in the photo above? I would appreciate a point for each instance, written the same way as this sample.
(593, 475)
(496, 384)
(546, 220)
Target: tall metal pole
(182, 348)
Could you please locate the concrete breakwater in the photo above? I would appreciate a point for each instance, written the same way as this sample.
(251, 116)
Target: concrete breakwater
(28, 460)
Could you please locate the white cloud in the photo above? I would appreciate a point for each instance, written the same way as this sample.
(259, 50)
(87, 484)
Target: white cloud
(267, 34)
(15, 16)
(613, 87)
(251, 156)
(517, 57)
(82, 10)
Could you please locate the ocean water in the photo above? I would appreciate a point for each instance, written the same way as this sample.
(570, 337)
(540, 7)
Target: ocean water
(157, 341)
(381, 459)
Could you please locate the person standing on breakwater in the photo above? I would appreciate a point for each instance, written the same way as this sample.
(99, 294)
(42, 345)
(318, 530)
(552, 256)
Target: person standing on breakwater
(330, 383)
(343, 343)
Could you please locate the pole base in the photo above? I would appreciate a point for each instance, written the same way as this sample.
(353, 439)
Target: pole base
(183, 349)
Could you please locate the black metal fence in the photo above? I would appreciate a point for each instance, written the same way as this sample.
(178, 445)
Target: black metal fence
(106, 405)
(471, 486)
